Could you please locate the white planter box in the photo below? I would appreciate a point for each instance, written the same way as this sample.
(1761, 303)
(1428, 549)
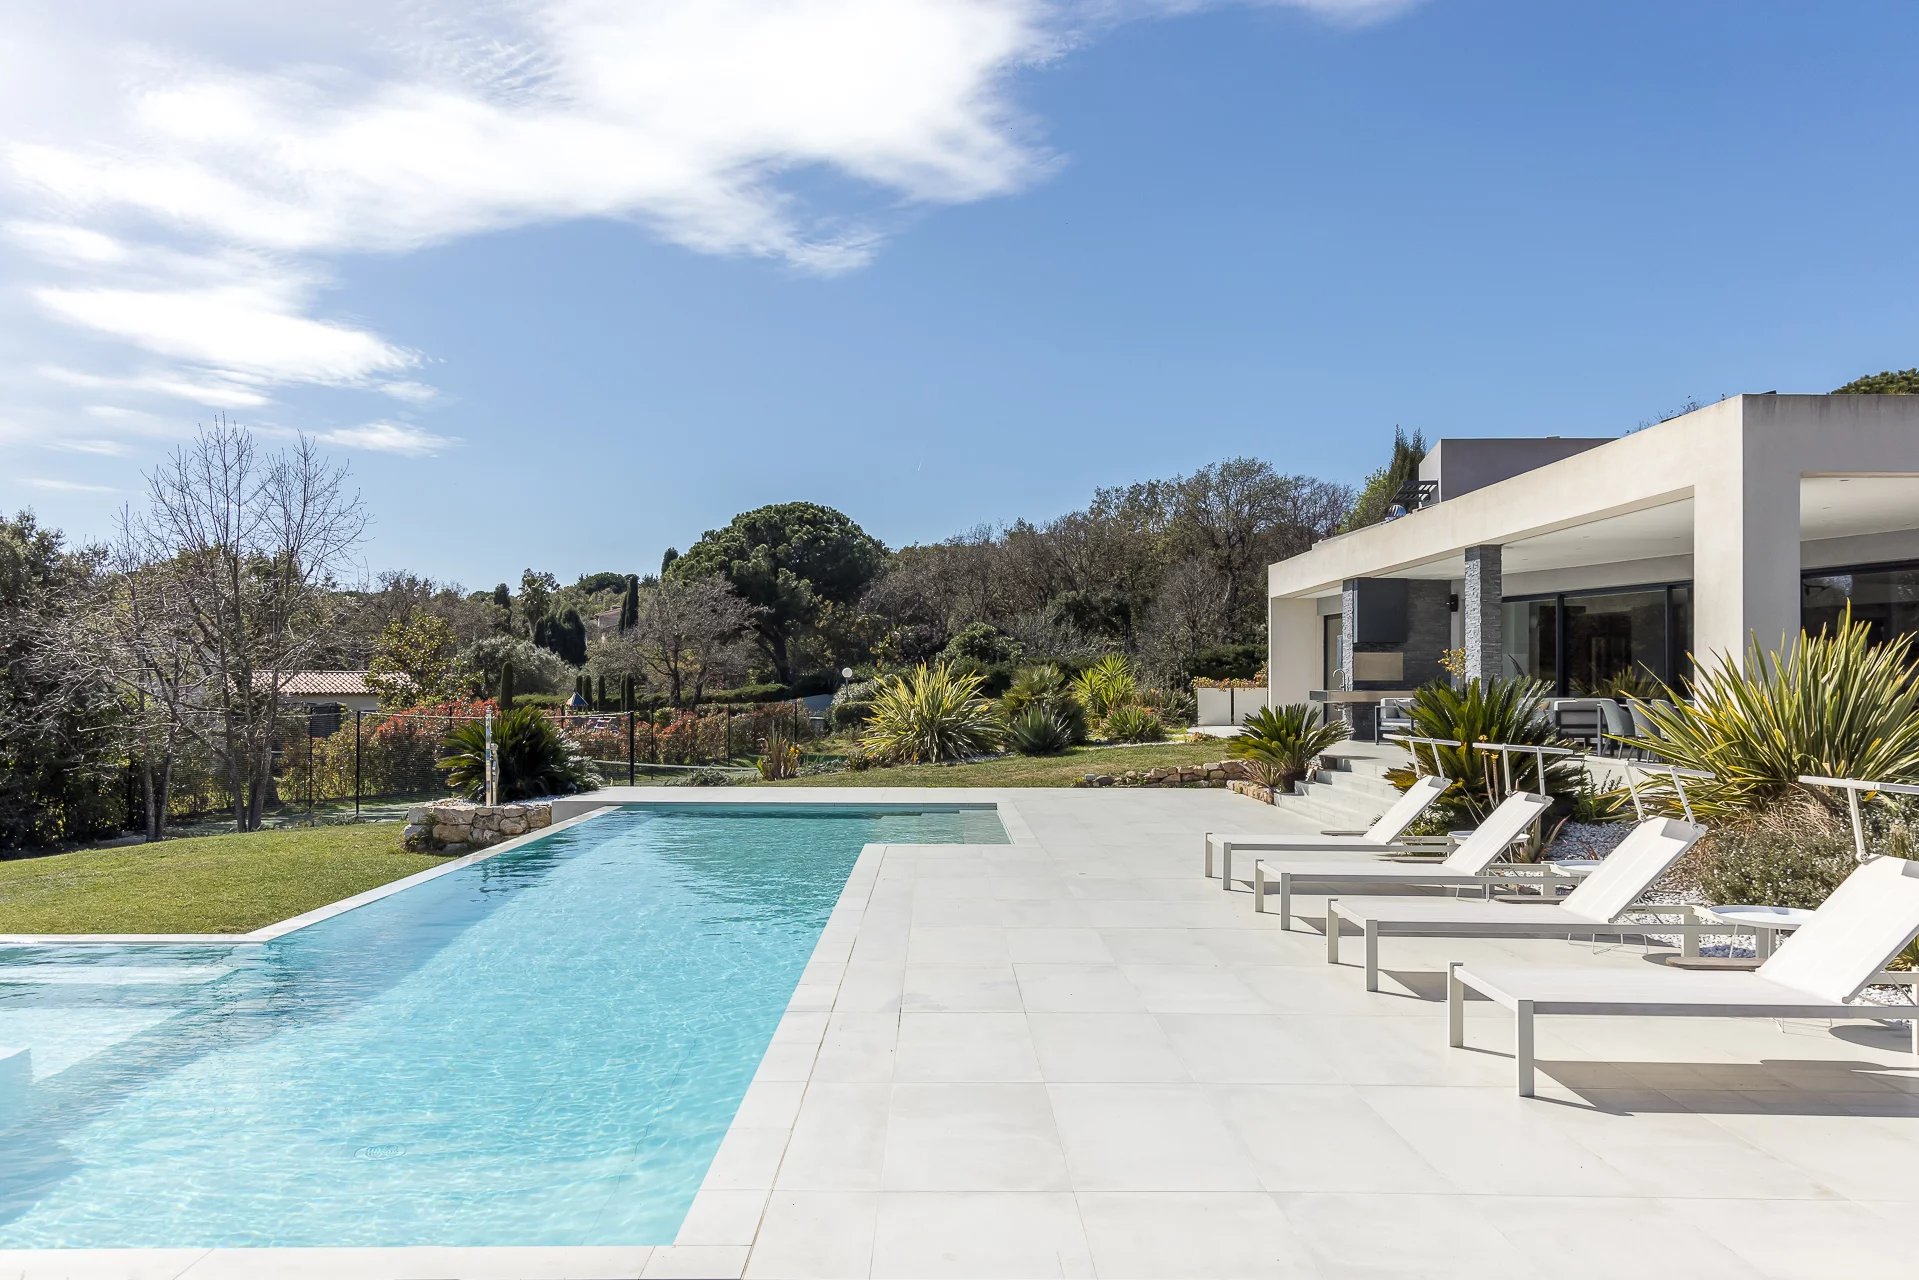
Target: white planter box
(1219, 708)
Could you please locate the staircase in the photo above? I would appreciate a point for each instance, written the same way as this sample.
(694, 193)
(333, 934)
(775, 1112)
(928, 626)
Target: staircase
(1348, 792)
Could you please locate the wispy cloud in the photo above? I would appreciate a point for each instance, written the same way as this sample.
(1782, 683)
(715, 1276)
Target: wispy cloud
(68, 486)
(388, 437)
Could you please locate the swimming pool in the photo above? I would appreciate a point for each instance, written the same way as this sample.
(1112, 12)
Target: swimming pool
(542, 1048)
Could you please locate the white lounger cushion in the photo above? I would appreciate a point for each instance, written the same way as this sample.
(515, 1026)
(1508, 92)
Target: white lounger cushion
(1653, 992)
(1641, 858)
(1391, 825)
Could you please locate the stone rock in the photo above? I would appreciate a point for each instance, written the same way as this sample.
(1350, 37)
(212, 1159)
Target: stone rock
(418, 816)
(540, 816)
(445, 833)
(512, 826)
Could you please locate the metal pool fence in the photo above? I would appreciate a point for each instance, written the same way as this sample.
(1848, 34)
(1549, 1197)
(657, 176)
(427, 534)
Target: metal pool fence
(334, 764)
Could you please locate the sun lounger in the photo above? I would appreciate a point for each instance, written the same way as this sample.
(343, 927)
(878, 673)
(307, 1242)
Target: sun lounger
(1383, 837)
(1474, 862)
(1825, 965)
(1588, 911)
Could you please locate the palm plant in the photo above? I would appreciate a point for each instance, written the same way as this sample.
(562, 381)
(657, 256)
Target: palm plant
(1107, 684)
(929, 715)
(1834, 705)
(1507, 710)
(1038, 731)
(535, 758)
(1279, 744)
(1048, 688)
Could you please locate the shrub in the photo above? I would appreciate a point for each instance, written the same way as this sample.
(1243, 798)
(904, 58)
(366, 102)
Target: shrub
(780, 758)
(1047, 688)
(535, 758)
(1106, 684)
(705, 778)
(1170, 705)
(1836, 705)
(1279, 744)
(1038, 731)
(1790, 854)
(1229, 661)
(983, 643)
(1129, 723)
(1487, 711)
(928, 715)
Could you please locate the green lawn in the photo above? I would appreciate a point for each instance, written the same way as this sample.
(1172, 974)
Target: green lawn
(1022, 771)
(205, 884)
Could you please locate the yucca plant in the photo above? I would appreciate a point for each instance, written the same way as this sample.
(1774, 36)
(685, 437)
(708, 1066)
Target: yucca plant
(1048, 688)
(1279, 744)
(1038, 731)
(929, 715)
(1130, 723)
(1507, 710)
(780, 758)
(1834, 705)
(1107, 684)
(536, 759)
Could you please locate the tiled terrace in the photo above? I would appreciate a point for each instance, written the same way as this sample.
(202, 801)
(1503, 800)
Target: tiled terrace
(1073, 1056)
(1076, 1057)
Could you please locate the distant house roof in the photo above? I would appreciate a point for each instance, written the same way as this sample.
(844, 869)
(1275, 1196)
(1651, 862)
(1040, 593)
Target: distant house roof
(606, 621)
(305, 684)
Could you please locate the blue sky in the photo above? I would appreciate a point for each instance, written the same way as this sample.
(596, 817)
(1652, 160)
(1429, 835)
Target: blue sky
(568, 285)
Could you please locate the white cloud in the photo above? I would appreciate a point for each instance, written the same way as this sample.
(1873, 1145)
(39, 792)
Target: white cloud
(97, 448)
(212, 392)
(411, 392)
(182, 171)
(387, 437)
(251, 330)
(68, 486)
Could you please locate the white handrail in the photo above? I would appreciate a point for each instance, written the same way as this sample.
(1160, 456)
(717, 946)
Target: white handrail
(1672, 771)
(1539, 753)
(1852, 787)
(1439, 769)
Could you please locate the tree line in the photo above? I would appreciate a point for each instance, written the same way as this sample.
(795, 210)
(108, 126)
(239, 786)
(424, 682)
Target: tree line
(176, 635)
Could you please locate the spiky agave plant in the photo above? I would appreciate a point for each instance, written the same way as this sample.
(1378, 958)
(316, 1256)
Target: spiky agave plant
(1507, 710)
(1048, 688)
(1279, 744)
(1038, 731)
(929, 715)
(1834, 705)
(1129, 723)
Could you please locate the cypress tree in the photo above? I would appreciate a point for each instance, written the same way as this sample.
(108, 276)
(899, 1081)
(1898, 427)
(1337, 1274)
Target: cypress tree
(626, 694)
(600, 702)
(506, 686)
(630, 604)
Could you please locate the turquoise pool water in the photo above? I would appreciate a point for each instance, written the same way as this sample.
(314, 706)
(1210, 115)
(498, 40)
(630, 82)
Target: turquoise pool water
(542, 1048)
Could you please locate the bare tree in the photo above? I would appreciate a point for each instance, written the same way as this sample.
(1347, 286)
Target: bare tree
(689, 633)
(131, 634)
(250, 544)
(1188, 615)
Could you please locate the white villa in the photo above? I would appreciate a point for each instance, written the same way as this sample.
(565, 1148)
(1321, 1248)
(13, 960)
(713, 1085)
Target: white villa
(1589, 563)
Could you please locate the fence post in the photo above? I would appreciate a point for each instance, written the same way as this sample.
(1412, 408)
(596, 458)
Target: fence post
(310, 710)
(357, 713)
(631, 719)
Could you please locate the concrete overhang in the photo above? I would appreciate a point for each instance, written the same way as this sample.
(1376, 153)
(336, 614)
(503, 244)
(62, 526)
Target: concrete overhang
(1632, 499)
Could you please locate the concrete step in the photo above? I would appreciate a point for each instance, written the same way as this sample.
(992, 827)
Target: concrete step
(1339, 807)
(1360, 785)
(1360, 765)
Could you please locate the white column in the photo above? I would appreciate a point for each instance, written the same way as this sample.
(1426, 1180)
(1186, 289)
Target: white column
(1293, 650)
(1745, 535)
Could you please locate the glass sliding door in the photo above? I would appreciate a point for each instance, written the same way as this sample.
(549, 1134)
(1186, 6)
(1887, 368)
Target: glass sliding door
(1601, 643)
(1884, 597)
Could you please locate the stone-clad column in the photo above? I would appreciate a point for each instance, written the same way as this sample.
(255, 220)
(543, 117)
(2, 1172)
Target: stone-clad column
(1480, 615)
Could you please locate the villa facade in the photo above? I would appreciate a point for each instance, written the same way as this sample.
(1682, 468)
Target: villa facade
(1602, 565)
